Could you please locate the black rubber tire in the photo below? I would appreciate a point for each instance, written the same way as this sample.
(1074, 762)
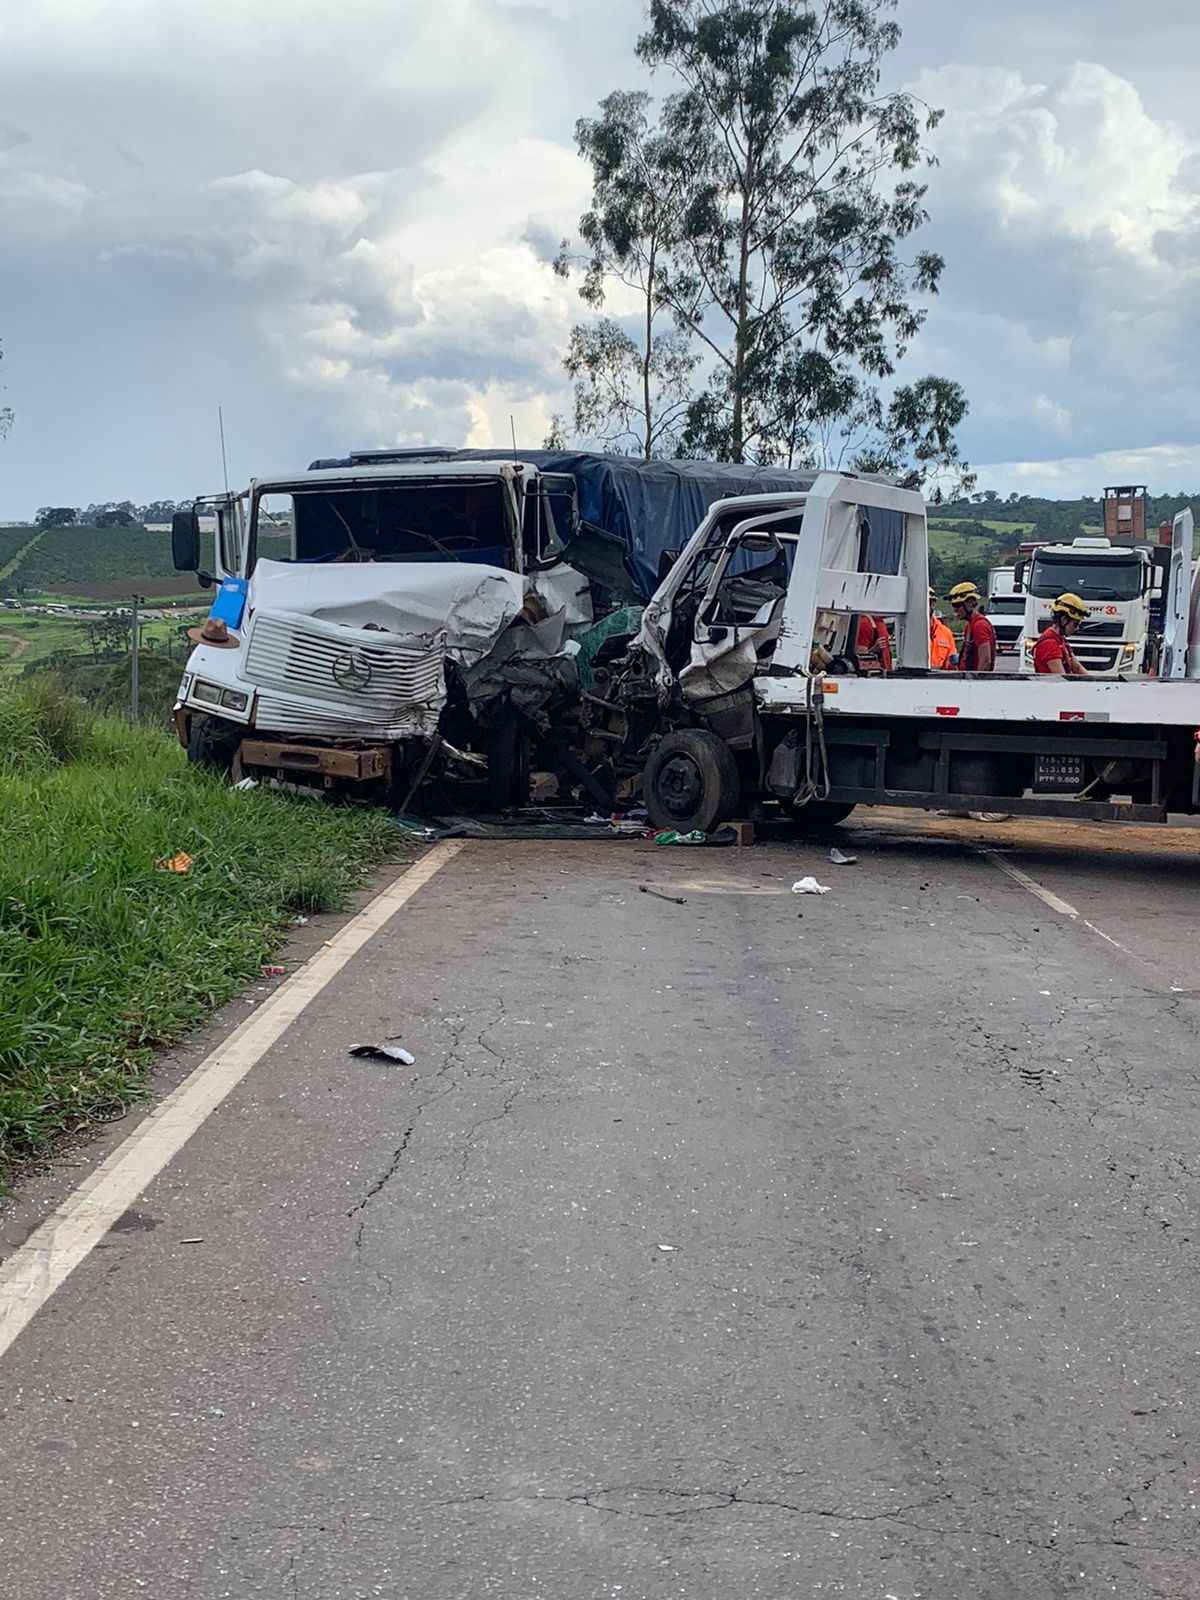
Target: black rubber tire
(210, 743)
(508, 750)
(818, 815)
(691, 782)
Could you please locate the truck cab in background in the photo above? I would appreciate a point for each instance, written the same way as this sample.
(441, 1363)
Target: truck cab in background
(1006, 613)
(1124, 589)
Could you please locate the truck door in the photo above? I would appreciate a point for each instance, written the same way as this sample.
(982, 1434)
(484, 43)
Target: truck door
(231, 535)
(1178, 598)
(550, 521)
(737, 622)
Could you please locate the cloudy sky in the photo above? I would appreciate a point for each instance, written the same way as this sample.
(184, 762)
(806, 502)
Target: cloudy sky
(335, 222)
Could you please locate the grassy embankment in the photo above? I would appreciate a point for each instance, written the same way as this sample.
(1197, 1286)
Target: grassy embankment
(104, 957)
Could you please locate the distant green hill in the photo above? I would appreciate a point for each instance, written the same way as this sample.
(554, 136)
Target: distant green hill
(84, 563)
(966, 537)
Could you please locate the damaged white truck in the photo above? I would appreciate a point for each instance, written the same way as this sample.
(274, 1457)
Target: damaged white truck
(397, 618)
(741, 691)
(433, 609)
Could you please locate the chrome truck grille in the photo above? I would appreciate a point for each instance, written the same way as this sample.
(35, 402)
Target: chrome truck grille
(380, 681)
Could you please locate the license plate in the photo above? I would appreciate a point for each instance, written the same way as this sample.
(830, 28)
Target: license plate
(1052, 773)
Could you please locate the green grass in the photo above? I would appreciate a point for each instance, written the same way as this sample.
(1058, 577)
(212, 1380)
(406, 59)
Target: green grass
(103, 957)
(1009, 531)
(42, 636)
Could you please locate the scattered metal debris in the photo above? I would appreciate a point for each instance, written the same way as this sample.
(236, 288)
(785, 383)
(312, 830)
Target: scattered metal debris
(675, 899)
(384, 1052)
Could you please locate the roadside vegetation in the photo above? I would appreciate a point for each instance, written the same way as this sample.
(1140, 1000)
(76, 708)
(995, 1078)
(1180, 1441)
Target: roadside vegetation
(103, 955)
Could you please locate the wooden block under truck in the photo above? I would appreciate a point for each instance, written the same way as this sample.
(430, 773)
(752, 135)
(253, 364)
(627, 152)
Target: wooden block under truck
(741, 690)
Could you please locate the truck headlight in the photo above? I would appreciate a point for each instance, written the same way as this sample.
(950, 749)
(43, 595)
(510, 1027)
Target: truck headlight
(1128, 651)
(208, 694)
(234, 699)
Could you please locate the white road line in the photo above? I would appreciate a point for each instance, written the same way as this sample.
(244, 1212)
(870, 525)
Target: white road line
(1047, 897)
(52, 1252)
(1063, 907)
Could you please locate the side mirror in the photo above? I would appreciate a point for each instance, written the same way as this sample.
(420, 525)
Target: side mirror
(1019, 578)
(185, 540)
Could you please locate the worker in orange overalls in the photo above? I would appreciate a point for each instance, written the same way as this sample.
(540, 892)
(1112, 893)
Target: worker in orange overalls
(943, 649)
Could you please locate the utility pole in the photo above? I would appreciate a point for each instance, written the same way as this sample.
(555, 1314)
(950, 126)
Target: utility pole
(134, 643)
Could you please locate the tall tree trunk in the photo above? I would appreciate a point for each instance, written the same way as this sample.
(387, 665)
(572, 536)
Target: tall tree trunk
(648, 438)
(738, 420)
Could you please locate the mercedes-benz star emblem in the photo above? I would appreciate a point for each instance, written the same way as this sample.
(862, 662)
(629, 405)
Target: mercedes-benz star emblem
(352, 671)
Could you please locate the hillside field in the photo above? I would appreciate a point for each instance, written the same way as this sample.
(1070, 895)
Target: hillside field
(103, 564)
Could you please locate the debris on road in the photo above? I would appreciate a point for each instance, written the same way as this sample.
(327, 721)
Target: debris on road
(668, 1249)
(180, 862)
(672, 836)
(675, 899)
(274, 972)
(809, 886)
(384, 1052)
(840, 860)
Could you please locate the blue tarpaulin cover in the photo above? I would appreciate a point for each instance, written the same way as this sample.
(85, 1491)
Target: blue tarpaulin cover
(649, 506)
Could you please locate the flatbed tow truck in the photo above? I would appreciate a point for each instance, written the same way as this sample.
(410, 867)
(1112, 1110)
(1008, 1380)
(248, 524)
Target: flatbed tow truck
(740, 690)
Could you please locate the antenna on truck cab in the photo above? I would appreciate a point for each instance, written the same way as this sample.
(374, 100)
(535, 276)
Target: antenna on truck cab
(512, 428)
(224, 463)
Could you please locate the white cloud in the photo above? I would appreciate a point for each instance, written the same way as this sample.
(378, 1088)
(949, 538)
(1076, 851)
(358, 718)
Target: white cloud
(1069, 215)
(338, 223)
(1167, 468)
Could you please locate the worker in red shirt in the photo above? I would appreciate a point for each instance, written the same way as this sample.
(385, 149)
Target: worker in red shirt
(1052, 654)
(943, 651)
(977, 653)
(872, 645)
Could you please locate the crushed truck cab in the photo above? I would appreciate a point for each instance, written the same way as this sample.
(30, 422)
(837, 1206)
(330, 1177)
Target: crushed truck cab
(414, 603)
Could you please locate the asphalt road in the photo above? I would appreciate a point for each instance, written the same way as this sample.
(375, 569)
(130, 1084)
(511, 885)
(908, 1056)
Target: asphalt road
(760, 1246)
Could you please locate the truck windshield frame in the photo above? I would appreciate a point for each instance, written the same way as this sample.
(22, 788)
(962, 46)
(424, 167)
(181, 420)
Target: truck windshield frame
(1086, 576)
(422, 519)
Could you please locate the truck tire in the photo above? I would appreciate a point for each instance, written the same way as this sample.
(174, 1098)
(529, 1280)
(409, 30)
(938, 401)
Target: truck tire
(818, 815)
(210, 743)
(508, 765)
(691, 782)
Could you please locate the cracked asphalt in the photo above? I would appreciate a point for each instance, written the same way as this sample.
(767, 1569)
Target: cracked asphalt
(763, 1246)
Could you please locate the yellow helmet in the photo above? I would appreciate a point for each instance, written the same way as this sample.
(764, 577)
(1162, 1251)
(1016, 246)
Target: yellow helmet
(932, 592)
(1069, 605)
(962, 592)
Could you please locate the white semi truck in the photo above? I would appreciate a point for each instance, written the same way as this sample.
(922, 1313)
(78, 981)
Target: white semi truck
(1123, 587)
(1006, 613)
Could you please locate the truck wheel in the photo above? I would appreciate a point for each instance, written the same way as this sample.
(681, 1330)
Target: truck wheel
(508, 765)
(818, 815)
(691, 782)
(210, 744)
